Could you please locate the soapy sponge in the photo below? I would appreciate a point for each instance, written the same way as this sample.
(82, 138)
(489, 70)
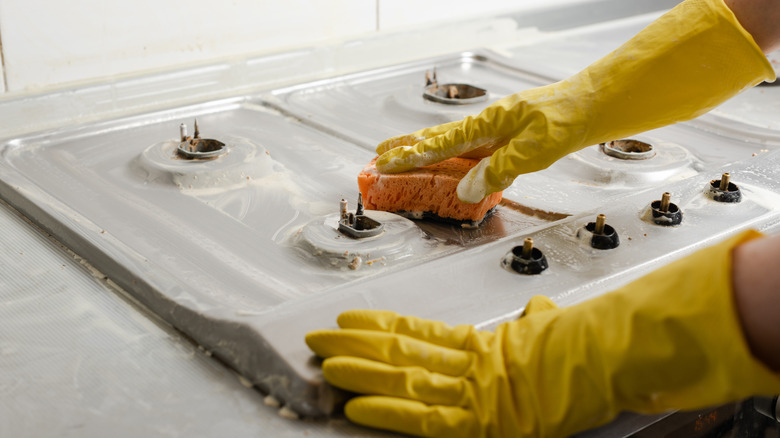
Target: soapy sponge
(426, 192)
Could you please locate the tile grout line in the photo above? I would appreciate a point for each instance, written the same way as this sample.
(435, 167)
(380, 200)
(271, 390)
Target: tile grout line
(376, 24)
(2, 65)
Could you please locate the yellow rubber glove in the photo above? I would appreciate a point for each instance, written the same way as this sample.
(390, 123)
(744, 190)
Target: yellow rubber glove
(670, 340)
(682, 65)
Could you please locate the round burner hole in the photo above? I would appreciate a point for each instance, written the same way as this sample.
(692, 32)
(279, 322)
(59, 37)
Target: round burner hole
(628, 149)
(455, 94)
(196, 147)
(202, 148)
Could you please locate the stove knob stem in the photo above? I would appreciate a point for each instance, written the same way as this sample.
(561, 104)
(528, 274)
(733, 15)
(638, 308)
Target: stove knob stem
(603, 236)
(526, 259)
(723, 190)
(664, 212)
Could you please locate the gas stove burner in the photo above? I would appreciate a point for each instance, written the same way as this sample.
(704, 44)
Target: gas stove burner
(198, 148)
(452, 94)
(164, 163)
(324, 241)
(628, 149)
(357, 225)
(634, 162)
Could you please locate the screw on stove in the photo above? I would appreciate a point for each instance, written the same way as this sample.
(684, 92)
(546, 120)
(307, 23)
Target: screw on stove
(357, 225)
(665, 212)
(452, 94)
(196, 147)
(723, 190)
(526, 259)
(628, 149)
(602, 235)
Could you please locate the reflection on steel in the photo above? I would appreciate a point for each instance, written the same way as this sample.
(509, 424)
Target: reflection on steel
(196, 147)
(723, 190)
(357, 225)
(767, 406)
(628, 149)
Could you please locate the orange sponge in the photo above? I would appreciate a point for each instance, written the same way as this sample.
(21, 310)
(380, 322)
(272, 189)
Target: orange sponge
(427, 192)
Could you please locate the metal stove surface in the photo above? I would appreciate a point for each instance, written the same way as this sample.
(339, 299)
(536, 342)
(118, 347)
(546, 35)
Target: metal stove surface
(382, 103)
(240, 252)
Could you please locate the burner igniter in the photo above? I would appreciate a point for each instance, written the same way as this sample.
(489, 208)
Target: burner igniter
(357, 225)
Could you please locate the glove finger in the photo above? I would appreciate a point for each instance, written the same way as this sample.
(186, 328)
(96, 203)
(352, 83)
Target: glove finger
(538, 303)
(481, 152)
(369, 377)
(435, 332)
(498, 171)
(412, 417)
(396, 142)
(415, 137)
(389, 348)
(455, 142)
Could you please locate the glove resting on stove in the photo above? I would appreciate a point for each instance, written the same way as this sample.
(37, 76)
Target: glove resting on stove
(682, 65)
(670, 340)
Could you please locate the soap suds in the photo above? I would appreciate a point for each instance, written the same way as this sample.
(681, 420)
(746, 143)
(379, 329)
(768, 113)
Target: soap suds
(286, 412)
(271, 401)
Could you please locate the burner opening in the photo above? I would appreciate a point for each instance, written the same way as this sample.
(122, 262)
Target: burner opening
(357, 225)
(195, 147)
(452, 94)
(628, 149)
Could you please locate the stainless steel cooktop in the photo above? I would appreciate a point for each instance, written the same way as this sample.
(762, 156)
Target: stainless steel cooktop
(237, 244)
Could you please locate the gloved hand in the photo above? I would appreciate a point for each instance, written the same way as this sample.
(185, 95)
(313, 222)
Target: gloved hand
(682, 65)
(670, 340)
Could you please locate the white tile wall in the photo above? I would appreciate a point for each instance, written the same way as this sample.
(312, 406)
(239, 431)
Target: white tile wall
(394, 14)
(50, 43)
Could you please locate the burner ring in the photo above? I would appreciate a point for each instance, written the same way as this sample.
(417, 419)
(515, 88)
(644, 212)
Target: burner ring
(242, 163)
(628, 149)
(321, 242)
(201, 148)
(455, 94)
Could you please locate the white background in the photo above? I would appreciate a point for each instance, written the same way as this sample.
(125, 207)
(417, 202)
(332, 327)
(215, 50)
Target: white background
(52, 44)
